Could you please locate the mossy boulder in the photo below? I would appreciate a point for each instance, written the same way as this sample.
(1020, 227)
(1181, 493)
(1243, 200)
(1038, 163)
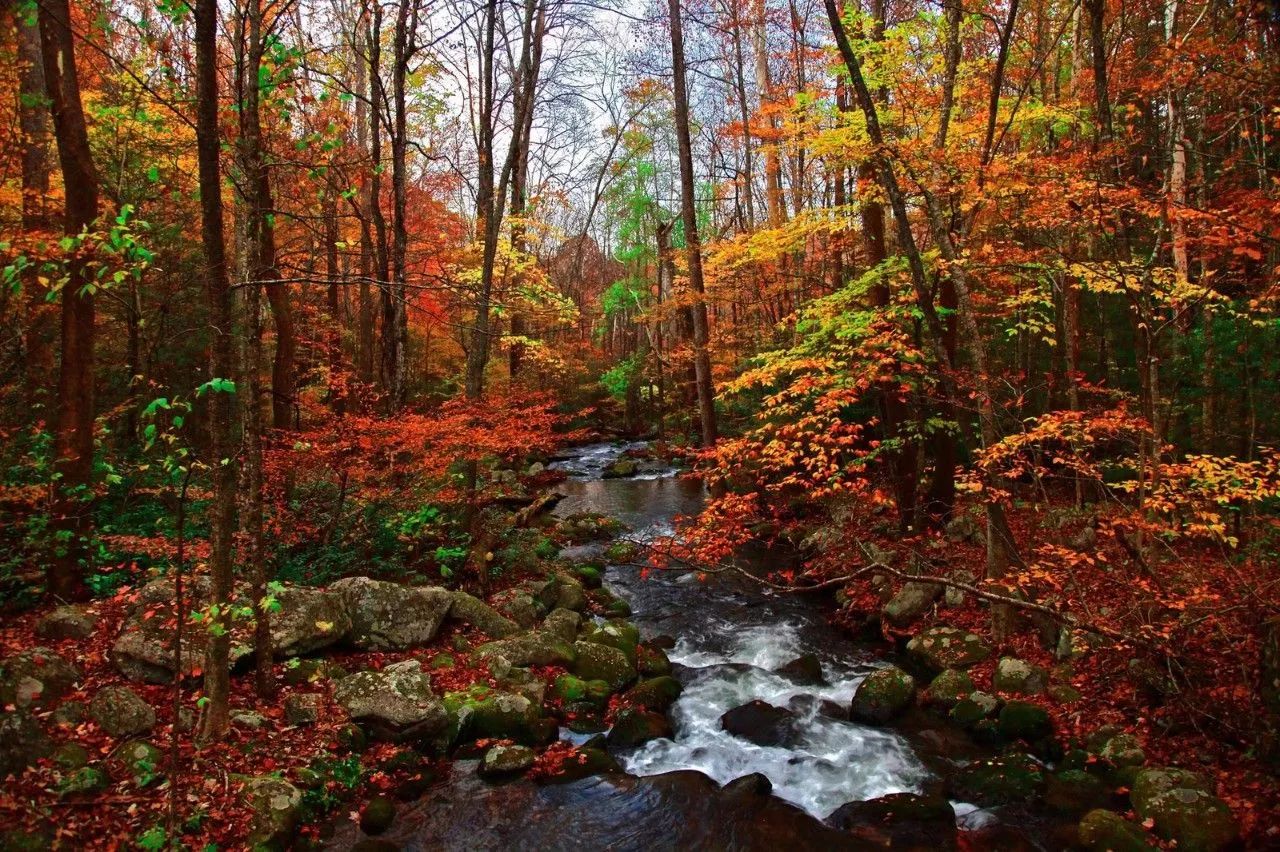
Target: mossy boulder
(594, 661)
(1106, 831)
(634, 727)
(67, 622)
(303, 708)
(377, 815)
(1121, 750)
(974, 708)
(655, 694)
(616, 634)
(948, 689)
(1021, 720)
(591, 576)
(884, 694)
(621, 469)
(71, 756)
(518, 607)
(471, 610)
(1019, 677)
(307, 620)
(275, 808)
(570, 594)
(1009, 779)
(1183, 809)
(563, 624)
(542, 648)
(570, 689)
(86, 780)
(390, 616)
(652, 661)
(395, 704)
(587, 761)
(484, 713)
(502, 761)
(140, 759)
(121, 712)
(1074, 791)
(37, 678)
(899, 820)
(941, 648)
(912, 601)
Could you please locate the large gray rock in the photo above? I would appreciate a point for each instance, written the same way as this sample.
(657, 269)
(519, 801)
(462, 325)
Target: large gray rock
(276, 809)
(143, 649)
(395, 703)
(121, 712)
(504, 760)
(912, 601)
(1183, 809)
(473, 611)
(22, 742)
(1106, 831)
(308, 620)
(66, 622)
(531, 649)
(940, 648)
(1019, 677)
(882, 695)
(603, 662)
(36, 678)
(392, 617)
(563, 624)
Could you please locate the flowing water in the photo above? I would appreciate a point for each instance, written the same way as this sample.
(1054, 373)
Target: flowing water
(731, 636)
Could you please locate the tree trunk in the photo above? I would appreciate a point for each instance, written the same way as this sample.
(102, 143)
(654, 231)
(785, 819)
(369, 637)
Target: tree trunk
(217, 681)
(689, 213)
(40, 320)
(73, 440)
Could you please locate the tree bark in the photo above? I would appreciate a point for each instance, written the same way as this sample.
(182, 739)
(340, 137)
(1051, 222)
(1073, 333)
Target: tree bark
(73, 439)
(689, 214)
(217, 681)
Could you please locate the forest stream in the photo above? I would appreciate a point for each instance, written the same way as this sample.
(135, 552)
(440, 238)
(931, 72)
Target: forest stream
(730, 638)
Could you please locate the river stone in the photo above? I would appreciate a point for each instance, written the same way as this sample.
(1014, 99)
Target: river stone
(602, 662)
(396, 703)
(377, 815)
(1074, 791)
(71, 755)
(1106, 831)
(652, 661)
(531, 649)
(761, 723)
(974, 708)
(518, 607)
(913, 600)
(22, 742)
(882, 695)
(505, 760)
(589, 576)
(563, 624)
(940, 648)
(570, 594)
(588, 760)
(302, 708)
(948, 689)
(805, 670)
(1183, 809)
(308, 620)
(484, 713)
(66, 622)
(473, 611)
(1019, 677)
(1020, 720)
(1122, 750)
(121, 712)
(616, 634)
(390, 616)
(634, 727)
(899, 820)
(276, 809)
(656, 694)
(1004, 780)
(620, 469)
(36, 678)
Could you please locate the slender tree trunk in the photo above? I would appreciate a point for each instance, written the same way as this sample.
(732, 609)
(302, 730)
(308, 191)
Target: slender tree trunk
(217, 681)
(40, 320)
(73, 439)
(365, 349)
(689, 214)
(764, 85)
